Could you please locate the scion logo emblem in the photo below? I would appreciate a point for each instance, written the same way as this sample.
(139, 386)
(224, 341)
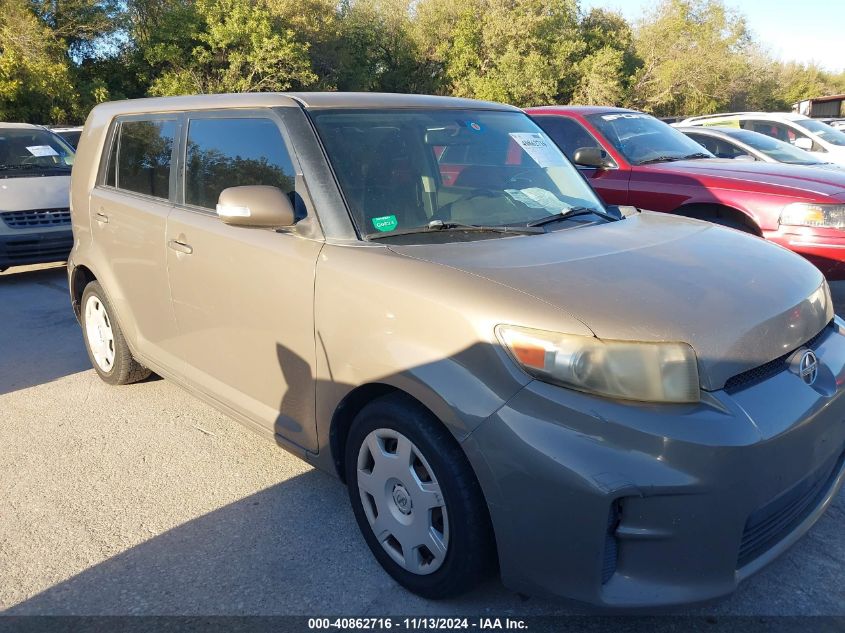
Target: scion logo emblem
(808, 367)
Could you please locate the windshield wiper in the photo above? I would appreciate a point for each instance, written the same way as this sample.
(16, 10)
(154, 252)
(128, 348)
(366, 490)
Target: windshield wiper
(33, 166)
(660, 159)
(696, 155)
(572, 213)
(436, 226)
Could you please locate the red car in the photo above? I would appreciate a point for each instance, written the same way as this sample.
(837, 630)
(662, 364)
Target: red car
(631, 158)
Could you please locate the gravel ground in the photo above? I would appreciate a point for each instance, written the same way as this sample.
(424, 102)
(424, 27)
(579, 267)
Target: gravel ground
(143, 500)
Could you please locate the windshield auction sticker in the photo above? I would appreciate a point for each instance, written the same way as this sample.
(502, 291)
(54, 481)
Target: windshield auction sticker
(42, 150)
(539, 148)
(625, 115)
(385, 223)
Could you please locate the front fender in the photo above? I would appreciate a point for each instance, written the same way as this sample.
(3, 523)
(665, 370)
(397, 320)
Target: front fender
(422, 328)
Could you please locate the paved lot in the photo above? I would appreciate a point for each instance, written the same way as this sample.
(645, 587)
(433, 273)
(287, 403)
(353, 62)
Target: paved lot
(143, 500)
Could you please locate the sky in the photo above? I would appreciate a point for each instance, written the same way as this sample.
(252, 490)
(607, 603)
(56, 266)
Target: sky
(809, 30)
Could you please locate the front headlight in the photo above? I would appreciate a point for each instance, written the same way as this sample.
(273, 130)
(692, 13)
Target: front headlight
(648, 372)
(830, 216)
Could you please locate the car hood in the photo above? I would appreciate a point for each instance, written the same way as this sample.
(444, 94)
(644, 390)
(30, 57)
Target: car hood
(755, 176)
(38, 192)
(829, 166)
(738, 300)
(836, 154)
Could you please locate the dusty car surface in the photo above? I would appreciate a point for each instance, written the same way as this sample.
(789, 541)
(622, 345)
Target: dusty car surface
(35, 169)
(630, 409)
(632, 158)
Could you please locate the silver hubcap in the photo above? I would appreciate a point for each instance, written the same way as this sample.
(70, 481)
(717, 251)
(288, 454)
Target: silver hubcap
(403, 501)
(99, 333)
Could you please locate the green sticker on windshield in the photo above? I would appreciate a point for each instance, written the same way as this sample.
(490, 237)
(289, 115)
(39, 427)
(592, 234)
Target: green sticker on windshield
(385, 223)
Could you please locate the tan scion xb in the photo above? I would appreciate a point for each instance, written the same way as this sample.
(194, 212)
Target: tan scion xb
(422, 296)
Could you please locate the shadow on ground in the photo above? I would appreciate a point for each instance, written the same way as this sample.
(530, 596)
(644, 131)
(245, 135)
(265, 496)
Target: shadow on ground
(262, 554)
(40, 340)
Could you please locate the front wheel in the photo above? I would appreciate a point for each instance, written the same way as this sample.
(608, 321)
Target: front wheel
(416, 499)
(104, 341)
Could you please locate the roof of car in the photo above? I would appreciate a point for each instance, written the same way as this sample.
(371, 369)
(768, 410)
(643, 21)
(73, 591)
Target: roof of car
(587, 109)
(350, 100)
(714, 130)
(388, 100)
(770, 116)
(18, 125)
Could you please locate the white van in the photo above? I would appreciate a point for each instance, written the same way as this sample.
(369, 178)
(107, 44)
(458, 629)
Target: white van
(35, 169)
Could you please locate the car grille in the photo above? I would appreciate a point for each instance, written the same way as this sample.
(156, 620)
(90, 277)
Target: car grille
(26, 250)
(767, 370)
(36, 217)
(771, 523)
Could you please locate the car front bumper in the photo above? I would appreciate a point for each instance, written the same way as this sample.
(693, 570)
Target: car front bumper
(823, 247)
(638, 505)
(19, 247)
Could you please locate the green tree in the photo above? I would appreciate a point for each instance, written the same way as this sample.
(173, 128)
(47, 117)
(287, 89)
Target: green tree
(318, 27)
(609, 59)
(240, 47)
(518, 51)
(796, 82)
(81, 24)
(694, 58)
(36, 79)
(378, 49)
(603, 80)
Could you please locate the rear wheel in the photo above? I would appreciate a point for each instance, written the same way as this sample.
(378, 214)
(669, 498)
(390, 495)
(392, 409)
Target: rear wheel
(416, 499)
(104, 341)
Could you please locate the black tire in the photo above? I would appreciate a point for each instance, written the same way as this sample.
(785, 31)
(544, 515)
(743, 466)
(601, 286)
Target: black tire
(471, 552)
(125, 369)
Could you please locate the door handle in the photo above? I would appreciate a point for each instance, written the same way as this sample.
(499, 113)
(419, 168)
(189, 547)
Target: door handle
(180, 247)
(102, 217)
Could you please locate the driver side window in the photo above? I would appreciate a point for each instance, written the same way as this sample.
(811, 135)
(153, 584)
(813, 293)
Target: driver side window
(567, 134)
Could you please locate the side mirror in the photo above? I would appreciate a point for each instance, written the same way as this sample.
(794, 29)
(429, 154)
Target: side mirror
(593, 157)
(745, 158)
(255, 205)
(802, 142)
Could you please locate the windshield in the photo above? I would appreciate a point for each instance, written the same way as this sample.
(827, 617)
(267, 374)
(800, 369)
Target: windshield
(823, 131)
(26, 150)
(405, 169)
(641, 138)
(780, 151)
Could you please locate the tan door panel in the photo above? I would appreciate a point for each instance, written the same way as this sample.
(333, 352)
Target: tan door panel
(129, 231)
(244, 300)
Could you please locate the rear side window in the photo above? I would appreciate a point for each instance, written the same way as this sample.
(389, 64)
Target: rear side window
(228, 152)
(143, 157)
